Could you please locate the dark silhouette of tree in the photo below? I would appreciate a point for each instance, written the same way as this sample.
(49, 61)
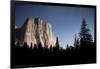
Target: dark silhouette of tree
(76, 42)
(39, 45)
(71, 47)
(35, 46)
(31, 46)
(51, 48)
(57, 43)
(25, 45)
(67, 46)
(85, 36)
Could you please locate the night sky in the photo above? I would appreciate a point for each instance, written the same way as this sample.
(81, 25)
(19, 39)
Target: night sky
(65, 21)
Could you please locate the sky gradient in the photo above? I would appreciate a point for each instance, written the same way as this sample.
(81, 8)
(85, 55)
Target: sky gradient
(65, 21)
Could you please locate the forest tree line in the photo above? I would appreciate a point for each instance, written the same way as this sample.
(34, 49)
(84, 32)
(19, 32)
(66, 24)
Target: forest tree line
(82, 51)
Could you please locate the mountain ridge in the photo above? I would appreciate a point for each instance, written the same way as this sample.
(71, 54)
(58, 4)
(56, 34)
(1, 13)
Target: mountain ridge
(35, 31)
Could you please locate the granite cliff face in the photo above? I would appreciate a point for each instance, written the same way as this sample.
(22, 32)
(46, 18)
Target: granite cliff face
(34, 31)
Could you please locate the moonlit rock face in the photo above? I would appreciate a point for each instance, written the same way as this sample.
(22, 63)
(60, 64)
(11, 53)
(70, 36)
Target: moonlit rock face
(16, 27)
(34, 31)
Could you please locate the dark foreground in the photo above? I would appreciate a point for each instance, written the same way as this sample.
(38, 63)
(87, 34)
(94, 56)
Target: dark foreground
(35, 57)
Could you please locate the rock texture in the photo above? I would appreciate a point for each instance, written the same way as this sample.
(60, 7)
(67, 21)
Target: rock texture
(34, 31)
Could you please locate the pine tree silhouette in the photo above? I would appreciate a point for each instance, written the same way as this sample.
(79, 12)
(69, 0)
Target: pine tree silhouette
(57, 43)
(67, 46)
(31, 46)
(35, 46)
(85, 36)
(76, 42)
